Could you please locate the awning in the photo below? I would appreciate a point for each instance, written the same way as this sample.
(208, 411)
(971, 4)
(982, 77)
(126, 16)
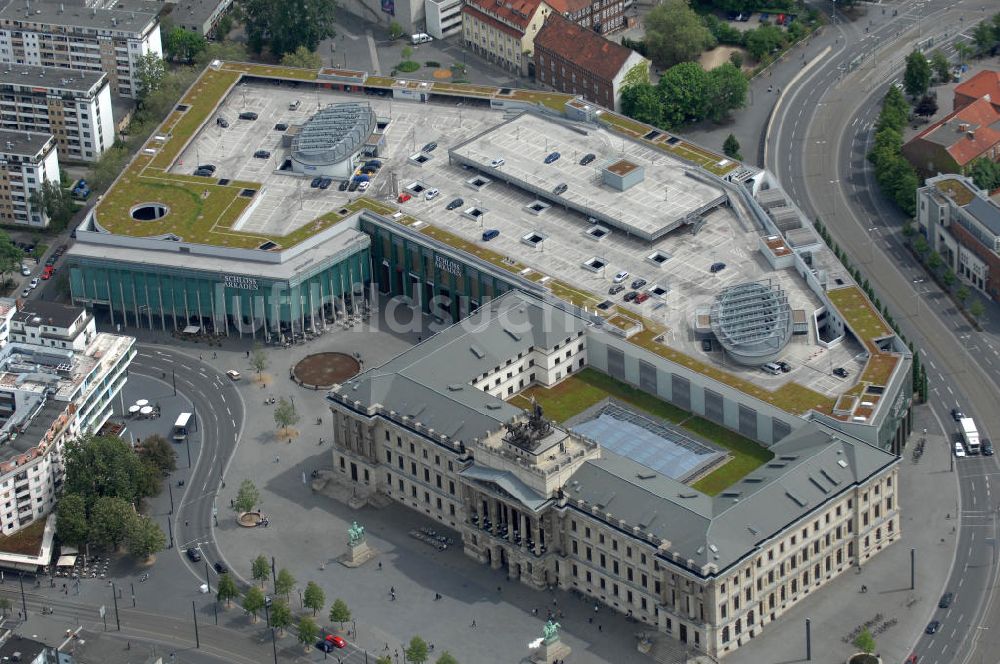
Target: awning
(191, 329)
(66, 561)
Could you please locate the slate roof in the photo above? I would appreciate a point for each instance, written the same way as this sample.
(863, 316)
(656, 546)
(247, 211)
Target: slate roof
(811, 466)
(431, 383)
(584, 48)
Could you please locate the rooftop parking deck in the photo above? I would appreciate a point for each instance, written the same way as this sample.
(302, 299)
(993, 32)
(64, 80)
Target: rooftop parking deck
(663, 198)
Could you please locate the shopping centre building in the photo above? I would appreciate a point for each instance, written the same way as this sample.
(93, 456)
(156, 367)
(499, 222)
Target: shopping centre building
(511, 233)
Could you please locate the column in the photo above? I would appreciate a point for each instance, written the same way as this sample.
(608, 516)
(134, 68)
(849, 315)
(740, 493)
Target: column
(523, 527)
(535, 538)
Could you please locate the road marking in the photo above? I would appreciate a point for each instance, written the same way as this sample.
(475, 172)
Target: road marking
(234, 423)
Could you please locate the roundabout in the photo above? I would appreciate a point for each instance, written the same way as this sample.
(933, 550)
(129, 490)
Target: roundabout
(321, 371)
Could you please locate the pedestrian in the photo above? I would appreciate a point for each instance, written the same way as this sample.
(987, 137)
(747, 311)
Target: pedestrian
(248, 353)
(499, 589)
(277, 459)
(600, 628)
(591, 620)
(232, 502)
(200, 357)
(392, 589)
(380, 565)
(186, 523)
(214, 355)
(473, 622)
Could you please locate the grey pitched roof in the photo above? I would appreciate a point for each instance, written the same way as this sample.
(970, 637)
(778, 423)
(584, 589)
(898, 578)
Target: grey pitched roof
(986, 212)
(811, 465)
(431, 382)
(510, 483)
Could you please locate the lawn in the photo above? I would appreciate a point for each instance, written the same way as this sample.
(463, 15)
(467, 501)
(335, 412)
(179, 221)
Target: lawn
(578, 393)
(25, 542)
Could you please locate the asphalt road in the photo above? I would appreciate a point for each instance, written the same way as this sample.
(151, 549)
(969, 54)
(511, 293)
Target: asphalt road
(219, 418)
(817, 149)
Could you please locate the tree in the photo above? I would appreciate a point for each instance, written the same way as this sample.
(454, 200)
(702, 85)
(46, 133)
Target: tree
(763, 41)
(339, 612)
(285, 414)
(385, 659)
(286, 25)
(406, 53)
(55, 202)
(895, 111)
(963, 51)
(416, 652)
(727, 91)
(227, 589)
(254, 601)
(962, 294)
(260, 569)
(258, 360)
(920, 246)
(736, 58)
(927, 106)
(182, 45)
(934, 261)
(948, 279)
(109, 520)
(941, 66)
(675, 33)
(313, 598)
(72, 525)
(144, 537)
(731, 148)
(984, 37)
(642, 102)
(302, 57)
(307, 631)
(395, 30)
(917, 76)
(683, 94)
(150, 73)
(446, 658)
(281, 616)
(223, 27)
(10, 256)
(159, 452)
(98, 466)
(865, 642)
(976, 309)
(985, 173)
(284, 583)
(225, 50)
(247, 496)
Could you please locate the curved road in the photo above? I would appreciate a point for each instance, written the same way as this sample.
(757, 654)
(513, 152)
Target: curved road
(219, 417)
(817, 149)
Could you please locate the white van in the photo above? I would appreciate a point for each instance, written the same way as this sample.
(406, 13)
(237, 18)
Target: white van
(771, 368)
(294, 106)
(421, 38)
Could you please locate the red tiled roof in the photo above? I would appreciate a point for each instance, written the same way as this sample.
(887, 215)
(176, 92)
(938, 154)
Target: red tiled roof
(986, 82)
(568, 6)
(506, 13)
(979, 118)
(584, 48)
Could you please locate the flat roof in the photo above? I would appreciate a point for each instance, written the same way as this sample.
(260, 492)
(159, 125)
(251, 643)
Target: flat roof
(23, 143)
(663, 199)
(128, 15)
(52, 78)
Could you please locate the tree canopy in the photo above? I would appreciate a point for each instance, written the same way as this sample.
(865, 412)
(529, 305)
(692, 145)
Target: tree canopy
(227, 590)
(159, 453)
(302, 57)
(253, 601)
(985, 173)
(281, 615)
(308, 631)
(731, 147)
(416, 651)
(284, 26)
(285, 414)
(339, 612)
(313, 597)
(686, 93)
(260, 568)
(71, 520)
(246, 498)
(110, 519)
(57, 203)
(917, 75)
(144, 537)
(182, 45)
(99, 466)
(675, 33)
(284, 583)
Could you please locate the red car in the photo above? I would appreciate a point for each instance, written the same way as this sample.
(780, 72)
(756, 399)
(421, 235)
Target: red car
(47, 273)
(404, 197)
(641, 297)
(336, 640)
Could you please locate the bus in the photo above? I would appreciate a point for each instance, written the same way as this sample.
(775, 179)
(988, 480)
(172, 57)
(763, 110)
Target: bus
(181, 426)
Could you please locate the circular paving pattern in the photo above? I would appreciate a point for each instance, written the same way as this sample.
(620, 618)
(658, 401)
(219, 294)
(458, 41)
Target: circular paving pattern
(441, 74)
(324, 370)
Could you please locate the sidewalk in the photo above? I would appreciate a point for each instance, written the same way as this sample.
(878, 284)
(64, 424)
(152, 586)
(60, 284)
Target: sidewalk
(927, 493)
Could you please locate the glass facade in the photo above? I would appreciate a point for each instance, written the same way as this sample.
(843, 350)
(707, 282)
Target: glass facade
(159, 297)
(444, 287)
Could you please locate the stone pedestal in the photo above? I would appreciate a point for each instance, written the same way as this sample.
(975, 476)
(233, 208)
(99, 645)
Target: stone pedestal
(550, 651)
(357, 554)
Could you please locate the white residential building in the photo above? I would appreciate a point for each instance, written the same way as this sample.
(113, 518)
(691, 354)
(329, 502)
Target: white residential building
(58, 379)
(92, 38)
(27, 159)
(72, 105)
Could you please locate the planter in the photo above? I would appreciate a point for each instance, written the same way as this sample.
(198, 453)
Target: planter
(863, 658)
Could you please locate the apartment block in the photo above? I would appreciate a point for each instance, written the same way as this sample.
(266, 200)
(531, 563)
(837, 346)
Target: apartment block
(72, 105)
(58, 380)
(199, 16)
(444, 17)
(97, 37)
(503, 32)
(27, 159)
